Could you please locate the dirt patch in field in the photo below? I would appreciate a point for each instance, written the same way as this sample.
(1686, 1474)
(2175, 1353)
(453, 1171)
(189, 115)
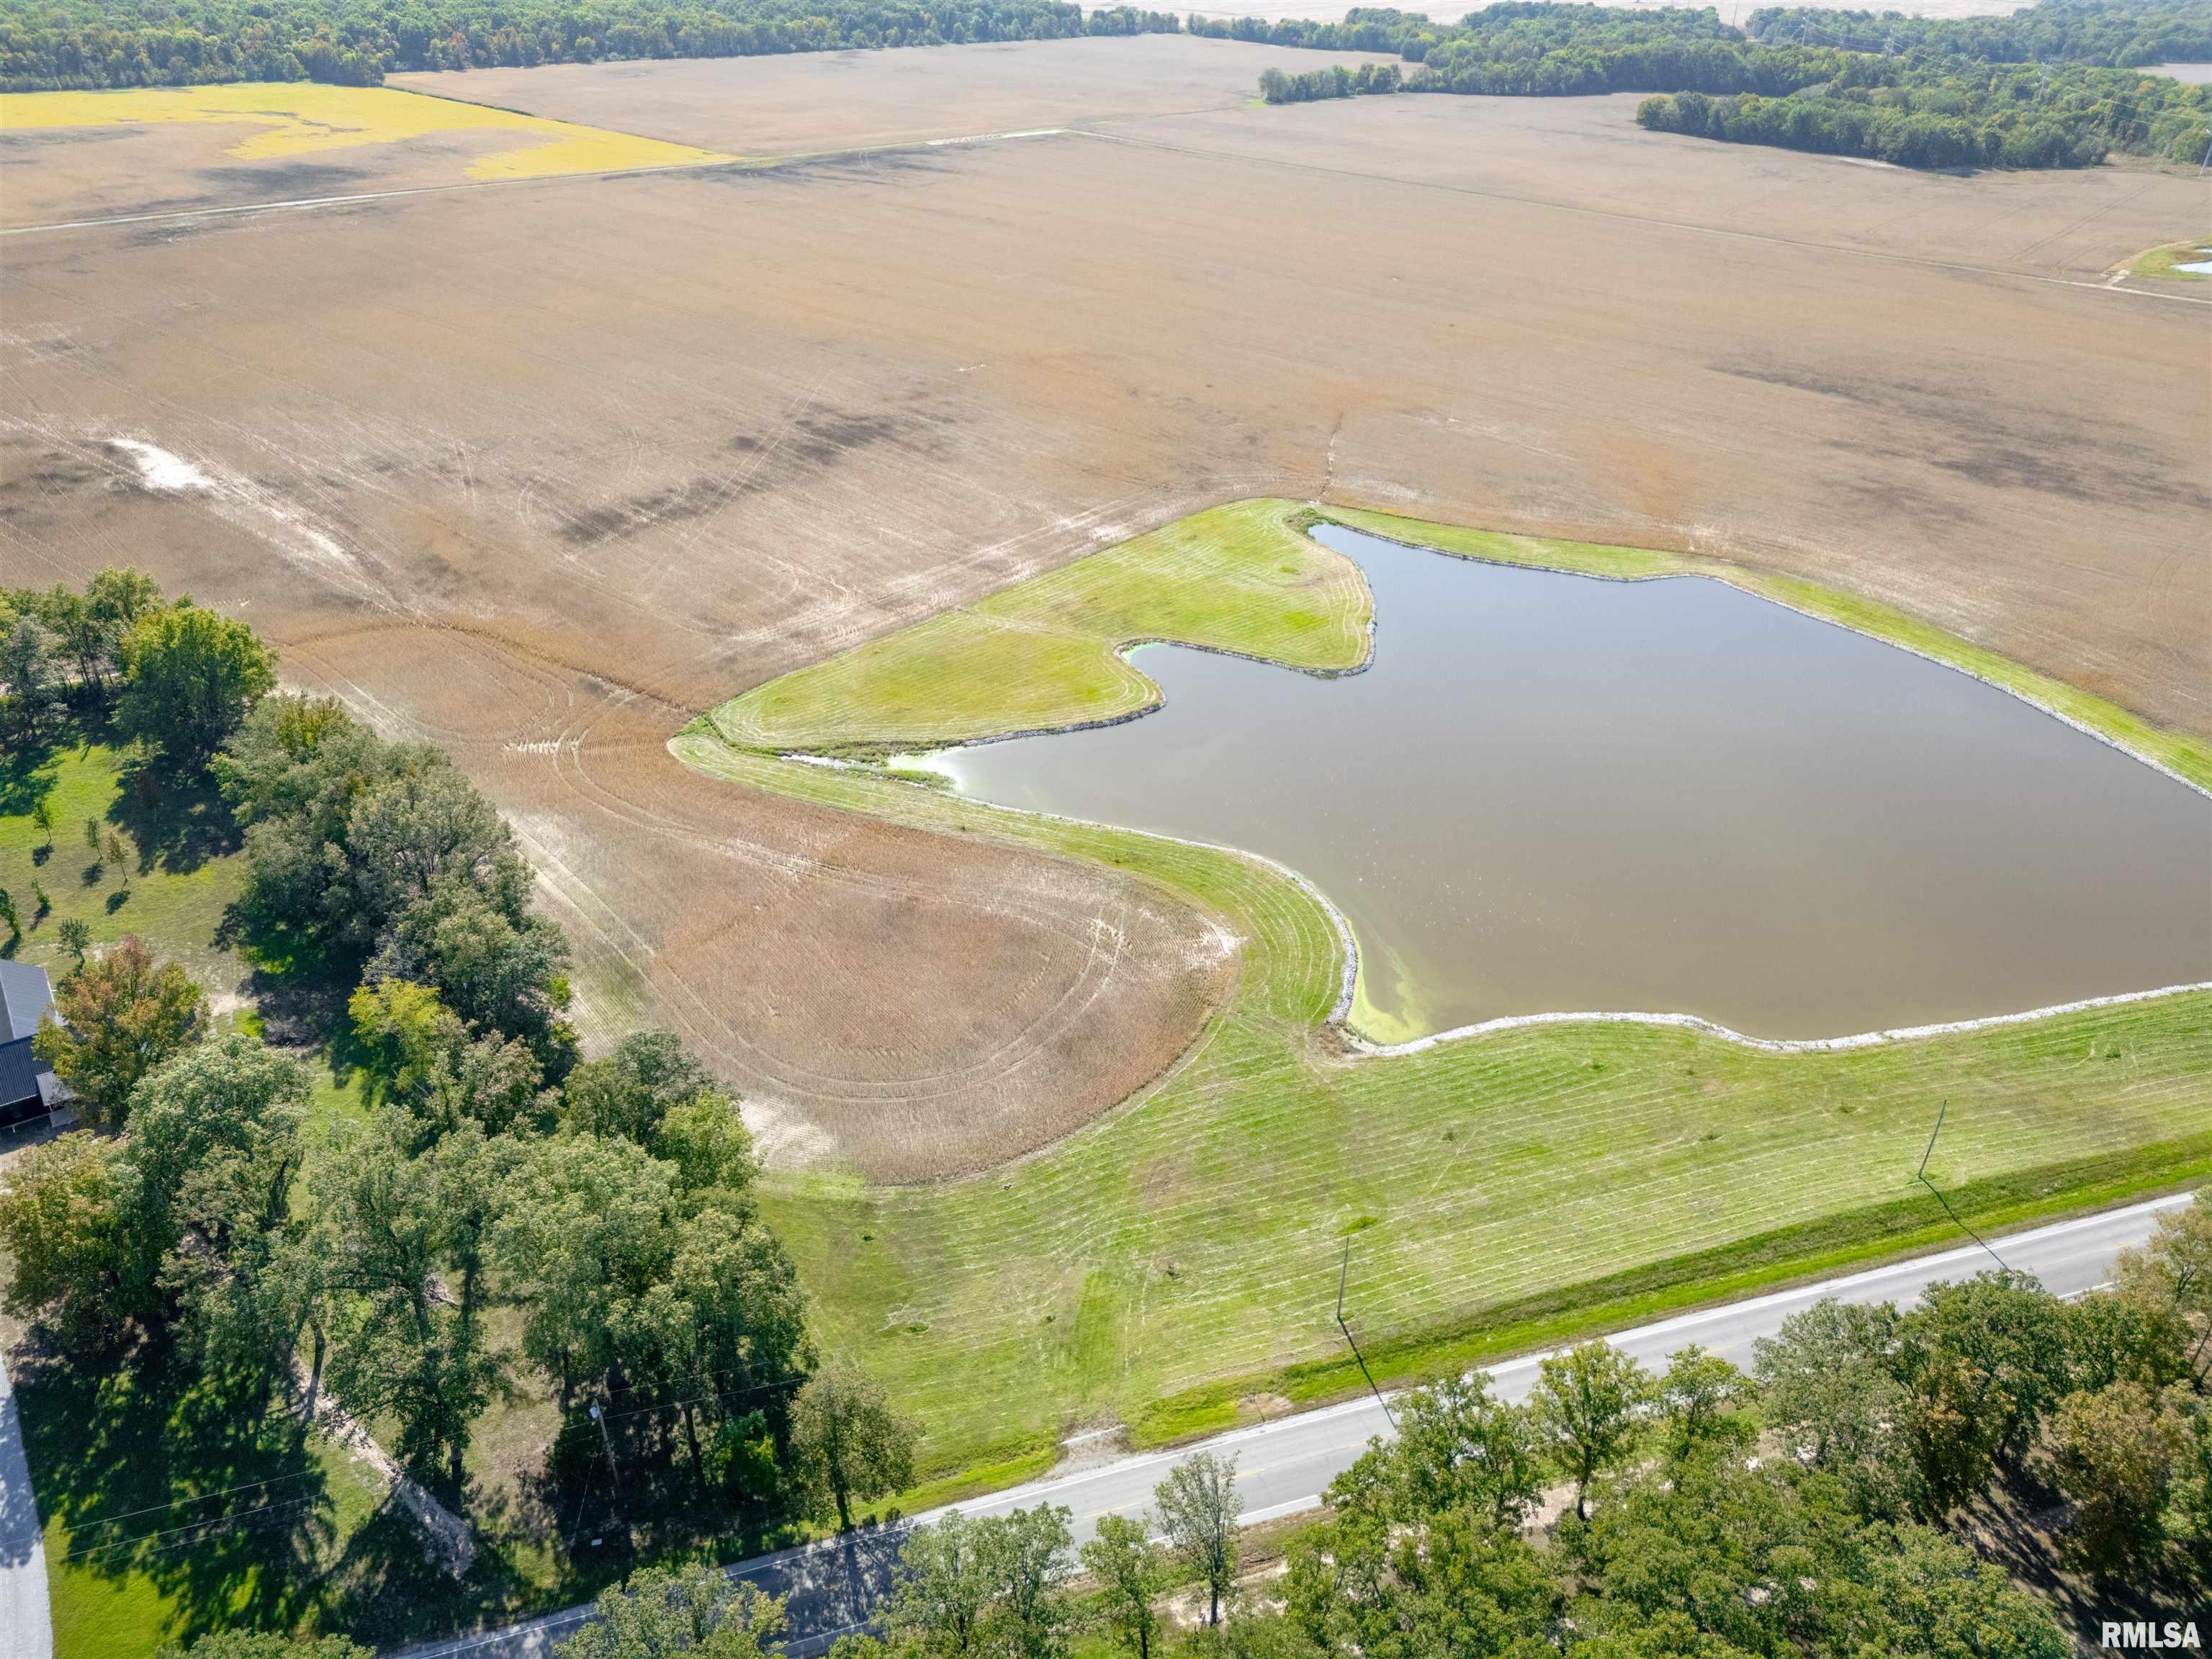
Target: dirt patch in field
(542, 471)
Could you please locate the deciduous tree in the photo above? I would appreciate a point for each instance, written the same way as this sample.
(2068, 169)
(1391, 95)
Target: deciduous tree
(122, 1014)
(2115, 1454)
(1199, 1507)
(850, 1443)
(1586, 1400)
(699, 1612)
(1130, 1572)
(194, 676)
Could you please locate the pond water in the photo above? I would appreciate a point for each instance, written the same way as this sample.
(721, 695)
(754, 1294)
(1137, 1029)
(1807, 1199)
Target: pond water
(1554, 792)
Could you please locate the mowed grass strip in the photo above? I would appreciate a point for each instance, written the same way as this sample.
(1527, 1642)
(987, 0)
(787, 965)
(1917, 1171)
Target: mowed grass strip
(1508, 1189)
(1045, 653)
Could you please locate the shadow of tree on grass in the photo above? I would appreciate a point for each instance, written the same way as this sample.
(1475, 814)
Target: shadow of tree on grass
(157, 1475)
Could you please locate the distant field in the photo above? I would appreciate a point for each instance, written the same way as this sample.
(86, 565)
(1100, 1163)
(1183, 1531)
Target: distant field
(813, 101)
(254, 141)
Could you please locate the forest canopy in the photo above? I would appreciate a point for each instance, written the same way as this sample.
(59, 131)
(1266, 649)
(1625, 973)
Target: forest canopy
(49, 45)
(2052, 85)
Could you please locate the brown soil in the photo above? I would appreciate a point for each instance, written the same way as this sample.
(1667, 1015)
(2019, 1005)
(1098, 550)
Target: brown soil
(541, 472)
(62, 174)
(850, 100)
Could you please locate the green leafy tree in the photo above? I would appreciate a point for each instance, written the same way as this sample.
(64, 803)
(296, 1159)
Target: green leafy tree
(1703, 1402)
(660, 1613)
(117, 598)
(122, 1014)
(72, 1262)
(2188, 1520)
(194, 675)
(215, 1151)
(74, 935)
(265, 1645)
(850, 1443)
(1981, 1363)
(27, 672)
(2171, 1278)
(1708, 1557)
(1458, 1446)
(1587, 1399)
(8, 915)
(990, 1584)
(632, 1089)
(395, 1222)
(1198, 1506)
(2115, 1453)
(1828, 1393)
(42, 814)
(587, 1227)
(403, 1030)
(1031, 1556)
(1456, 1584)
(1130, 1572)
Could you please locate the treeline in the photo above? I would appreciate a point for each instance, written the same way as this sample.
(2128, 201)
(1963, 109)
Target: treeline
(201, 1217)
(1919, 92)
(1334, 82)
(1812, 1507)
(2111, 33)
(47, 45)
(1962, 113)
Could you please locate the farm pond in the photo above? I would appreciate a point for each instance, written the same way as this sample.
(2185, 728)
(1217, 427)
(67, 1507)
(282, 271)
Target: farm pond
(1554, 792)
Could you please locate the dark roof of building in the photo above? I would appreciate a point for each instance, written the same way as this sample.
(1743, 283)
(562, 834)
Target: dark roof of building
(24, 996)
(19, 1074)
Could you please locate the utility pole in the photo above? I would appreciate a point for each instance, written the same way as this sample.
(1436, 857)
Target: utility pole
(607, 1440)
(1343, 1273)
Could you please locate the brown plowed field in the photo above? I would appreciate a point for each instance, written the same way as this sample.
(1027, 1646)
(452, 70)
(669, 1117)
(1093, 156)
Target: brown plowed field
(542, 471)
(851, 100)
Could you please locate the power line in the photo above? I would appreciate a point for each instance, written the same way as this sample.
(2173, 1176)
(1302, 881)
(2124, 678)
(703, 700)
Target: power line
(1921, 1176)
(1343, 1273)
(200, 1497)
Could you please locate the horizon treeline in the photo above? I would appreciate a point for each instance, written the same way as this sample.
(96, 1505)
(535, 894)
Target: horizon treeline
(95, 44)
(2049, 85)
(2105, 33)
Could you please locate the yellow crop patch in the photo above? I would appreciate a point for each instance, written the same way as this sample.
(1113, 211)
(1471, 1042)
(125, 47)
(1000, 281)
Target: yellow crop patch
(303, 117)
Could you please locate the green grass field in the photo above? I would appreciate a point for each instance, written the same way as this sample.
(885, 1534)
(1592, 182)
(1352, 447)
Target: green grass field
(1182, 1253)
(177, 877)
(1044, 653)
(2165, 261)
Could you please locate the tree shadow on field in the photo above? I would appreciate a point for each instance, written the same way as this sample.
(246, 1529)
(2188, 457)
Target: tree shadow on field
(177, 820)
(27, 758)
(181, 1480)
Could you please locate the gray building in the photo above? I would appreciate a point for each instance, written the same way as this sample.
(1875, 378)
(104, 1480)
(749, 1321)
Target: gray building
(27, 1089)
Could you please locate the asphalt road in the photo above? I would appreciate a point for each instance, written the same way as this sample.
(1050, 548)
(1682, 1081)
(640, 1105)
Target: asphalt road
(1283, 1466)
(25, 1630)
